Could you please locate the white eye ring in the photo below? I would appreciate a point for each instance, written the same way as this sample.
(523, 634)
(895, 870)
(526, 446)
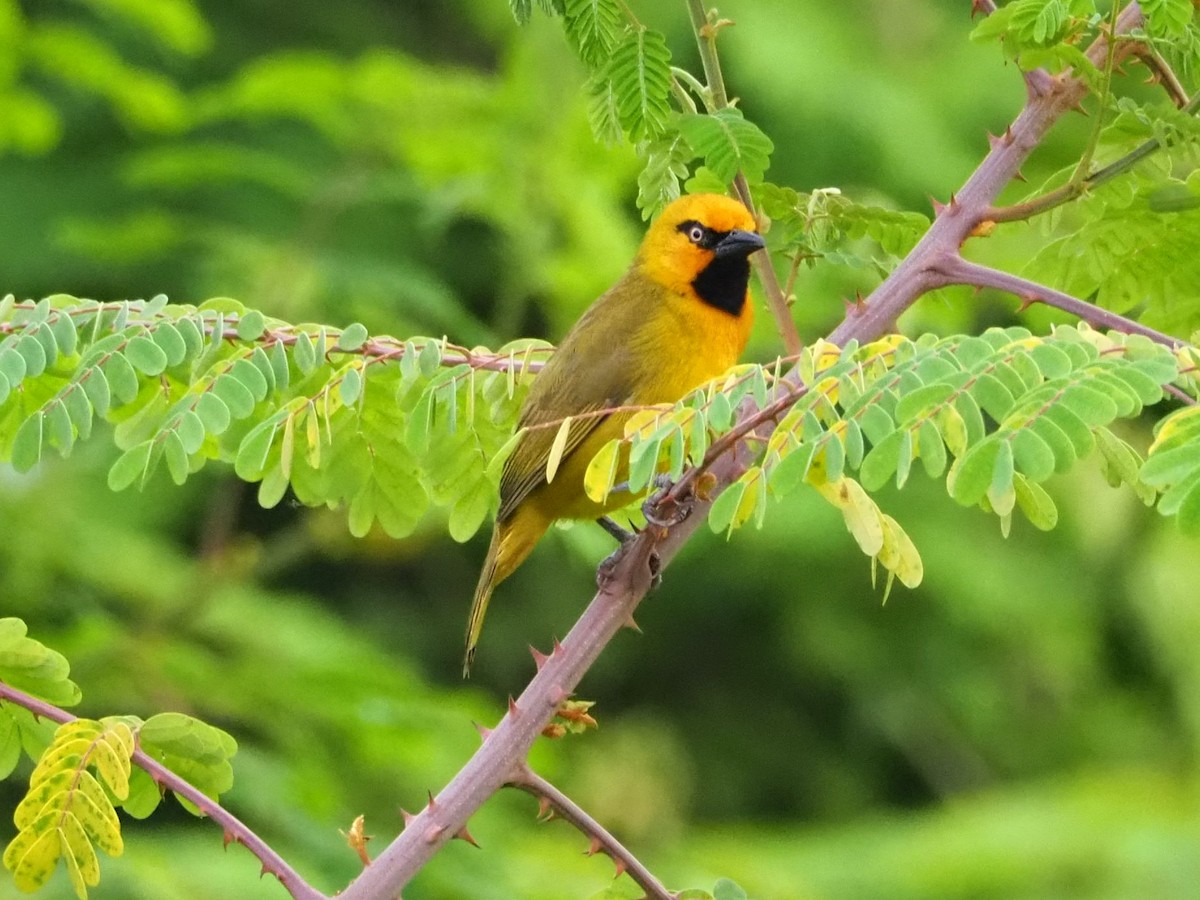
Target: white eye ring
(695, 234)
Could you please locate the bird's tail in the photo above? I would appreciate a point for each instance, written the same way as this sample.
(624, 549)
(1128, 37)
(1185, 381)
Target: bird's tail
(512, 541)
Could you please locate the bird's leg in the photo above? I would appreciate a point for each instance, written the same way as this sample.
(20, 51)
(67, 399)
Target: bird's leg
(620, 534)
(623, 536)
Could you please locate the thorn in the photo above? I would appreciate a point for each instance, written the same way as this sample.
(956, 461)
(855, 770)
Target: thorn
(228, 838)
(432, 802)
(619, 865)
(977, 7)
(513, 709)
(433, 833)
(1008, 135)
(953, 204)
(1027, 300)
(937, 205)
(557, 647)
(1020, 176)
(484, 731)
(558, 695)
(594, 847)
(632, 625)
(263, 871)
(407, 816)
(545, 811)
(994, 140)
(539, 658)
(1078, 107)
(463, 835)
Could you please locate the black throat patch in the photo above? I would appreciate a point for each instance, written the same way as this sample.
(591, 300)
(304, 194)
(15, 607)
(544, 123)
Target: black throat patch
(722, 283)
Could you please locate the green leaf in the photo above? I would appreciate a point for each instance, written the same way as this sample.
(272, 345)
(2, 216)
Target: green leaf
(145, 355)
(121, 378)
(132, 465)
(920, 403)
(251, 377)
(27, 445)
(881, 462)
(12, 365)
(931, 449)
(521, 10)
(33, 353)
(65, 334)
(729, 143)
(176, 456)
(235, 394)
(60, 431)
(252, 453)
(470, 510)
(171, 342)
(1167, 467)
(971, 475)
(1034, 456)
(640, 72)
(95, 385)
(213, 412)
(79, 409)
(251, 324)
(190, 428)
(304, 353)
(351, 386)
(593, 27)
(1000, 493)
(726, 889)
(352, 338)
(725, 507)
(1035, 503)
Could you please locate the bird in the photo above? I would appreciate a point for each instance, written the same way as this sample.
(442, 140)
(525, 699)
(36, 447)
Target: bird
(678, 317)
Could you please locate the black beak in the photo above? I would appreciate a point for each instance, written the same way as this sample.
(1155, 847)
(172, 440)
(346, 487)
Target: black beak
(739, 243)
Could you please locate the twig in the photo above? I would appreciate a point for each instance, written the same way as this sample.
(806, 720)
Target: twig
(957, 270)
(1161, 71)
(1072, 189)
(235, 829)
(717, 98)
(602, 840)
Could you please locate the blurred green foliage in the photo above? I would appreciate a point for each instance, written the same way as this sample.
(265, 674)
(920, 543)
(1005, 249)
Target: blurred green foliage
(1024, 725)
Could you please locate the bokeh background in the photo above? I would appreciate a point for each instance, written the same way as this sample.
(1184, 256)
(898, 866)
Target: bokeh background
(1024, 725)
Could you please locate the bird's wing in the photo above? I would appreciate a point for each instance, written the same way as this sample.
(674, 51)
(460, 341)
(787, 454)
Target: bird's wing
(581, 379)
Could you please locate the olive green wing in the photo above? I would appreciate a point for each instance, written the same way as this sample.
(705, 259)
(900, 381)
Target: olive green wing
(589, 373)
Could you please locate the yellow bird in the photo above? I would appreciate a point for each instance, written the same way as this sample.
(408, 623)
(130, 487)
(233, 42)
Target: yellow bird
(678, 317)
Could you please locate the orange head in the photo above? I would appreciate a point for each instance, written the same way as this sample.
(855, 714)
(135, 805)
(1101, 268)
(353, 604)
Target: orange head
(699, 246)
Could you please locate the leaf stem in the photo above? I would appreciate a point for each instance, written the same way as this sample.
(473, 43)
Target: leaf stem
(235, 829)
(1110, 56)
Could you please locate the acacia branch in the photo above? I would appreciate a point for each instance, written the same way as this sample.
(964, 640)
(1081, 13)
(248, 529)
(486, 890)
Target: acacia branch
(957, 270)
(235, 830)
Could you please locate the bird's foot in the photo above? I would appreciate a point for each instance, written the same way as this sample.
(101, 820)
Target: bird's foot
(663, 510)
(606, 571)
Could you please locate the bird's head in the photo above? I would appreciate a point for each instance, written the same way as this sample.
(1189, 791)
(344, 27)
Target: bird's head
(700, 246)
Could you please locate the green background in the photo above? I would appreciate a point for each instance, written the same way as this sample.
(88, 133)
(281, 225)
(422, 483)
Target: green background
(1023, 725)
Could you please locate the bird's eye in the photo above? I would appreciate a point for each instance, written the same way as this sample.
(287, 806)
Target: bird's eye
(695, 234)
